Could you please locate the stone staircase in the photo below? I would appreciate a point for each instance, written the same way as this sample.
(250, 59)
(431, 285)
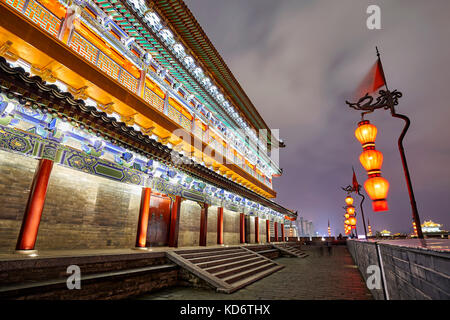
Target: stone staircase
(267, 250)
(227, 269)
(291, 249)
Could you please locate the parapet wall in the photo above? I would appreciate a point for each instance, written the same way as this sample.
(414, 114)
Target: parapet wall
(408, 273)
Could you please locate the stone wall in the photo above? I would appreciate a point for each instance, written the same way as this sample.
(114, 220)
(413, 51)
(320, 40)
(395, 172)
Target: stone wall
(211, 236)
(262, 230)
(410, 273)
(280, 235)
(252, 229)
(102, 276)
(16, 176)
(189, 225)
(231, 227)
(365, 254)
(85, 211)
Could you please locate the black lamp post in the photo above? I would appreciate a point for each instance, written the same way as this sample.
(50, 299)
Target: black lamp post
(350, 189)
(388, 100)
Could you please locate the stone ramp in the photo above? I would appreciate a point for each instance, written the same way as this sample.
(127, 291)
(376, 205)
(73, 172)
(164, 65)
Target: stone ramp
(291, 250)
(227, 269)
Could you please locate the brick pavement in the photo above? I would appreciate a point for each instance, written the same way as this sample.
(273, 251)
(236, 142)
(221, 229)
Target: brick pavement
(320, 276)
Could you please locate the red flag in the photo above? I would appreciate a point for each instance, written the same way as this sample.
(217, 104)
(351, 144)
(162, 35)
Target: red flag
(355, 182)
(372, 82)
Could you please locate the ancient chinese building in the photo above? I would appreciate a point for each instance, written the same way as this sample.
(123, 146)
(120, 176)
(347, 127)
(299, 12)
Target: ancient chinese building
(121, 126)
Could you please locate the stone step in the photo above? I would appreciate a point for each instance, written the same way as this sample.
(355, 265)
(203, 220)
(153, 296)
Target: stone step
(228, 272)
(201, 254)
(185, 251)
(248, 273)
(216, 257)
(223, 261)
(233, 264)
(267, 251)
(259, 248)
(294, 251)
(241, 268)
(253, 278)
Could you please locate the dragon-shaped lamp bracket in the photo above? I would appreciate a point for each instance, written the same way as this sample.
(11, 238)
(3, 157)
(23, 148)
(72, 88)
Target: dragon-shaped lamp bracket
(386, 100)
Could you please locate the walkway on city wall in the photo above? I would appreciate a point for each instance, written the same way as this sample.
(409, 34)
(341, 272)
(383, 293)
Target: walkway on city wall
(404, 269)
(328, 273)
(121, 273)
(251, 271)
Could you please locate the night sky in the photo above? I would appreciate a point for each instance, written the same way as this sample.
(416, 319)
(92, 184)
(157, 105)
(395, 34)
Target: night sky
(299, 61)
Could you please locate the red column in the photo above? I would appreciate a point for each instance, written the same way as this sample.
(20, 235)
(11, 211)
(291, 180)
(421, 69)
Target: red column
(256, 229)
(275, 228)
(174, 222)
(268, 230)
(282, 232)
(35, 205)
(144, 211)
(220, 225)
(203, 225)
(242, 228)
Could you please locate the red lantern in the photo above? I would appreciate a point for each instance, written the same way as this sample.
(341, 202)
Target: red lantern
(352, 221)
(346, 216)
(347, 229)
(415, 228)
(372, 161)
(377, 188)
(350, 210)
(366, 133)
(349, 200)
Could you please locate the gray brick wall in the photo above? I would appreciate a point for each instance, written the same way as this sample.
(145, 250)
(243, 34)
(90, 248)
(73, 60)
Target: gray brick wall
(411, 274)
(365, 254)
(252, 229)
(230, 227)
(189, 230)
(416, 274)
(262, 230)
(211, 236)
(16, 176)
(85, 211)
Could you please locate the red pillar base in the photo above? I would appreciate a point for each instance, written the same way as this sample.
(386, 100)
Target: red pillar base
(141, 248)
(27, 252)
